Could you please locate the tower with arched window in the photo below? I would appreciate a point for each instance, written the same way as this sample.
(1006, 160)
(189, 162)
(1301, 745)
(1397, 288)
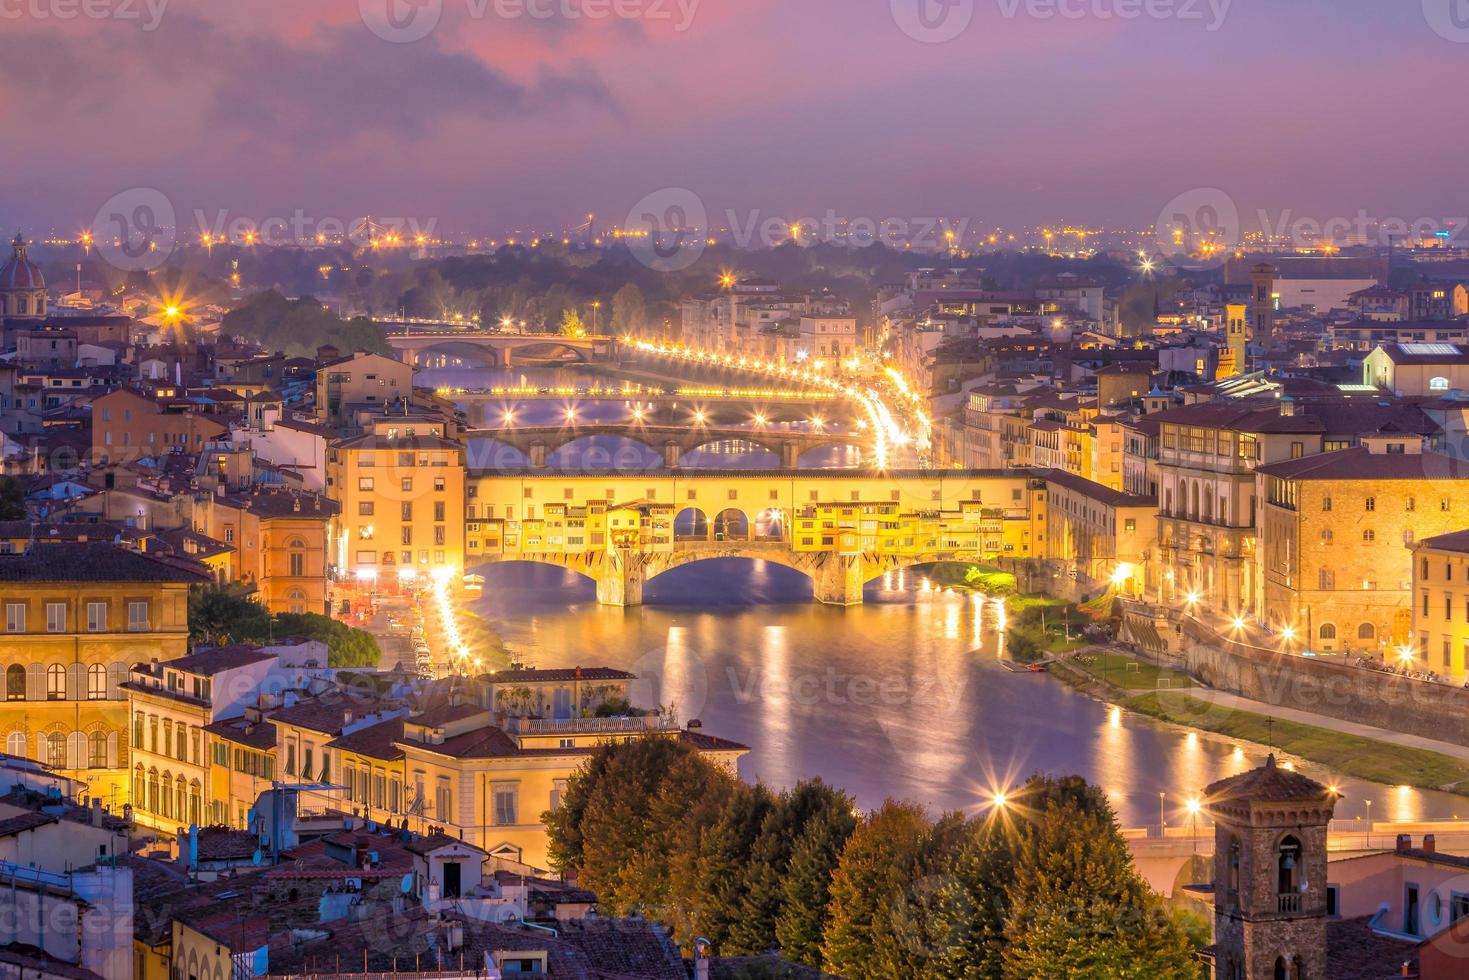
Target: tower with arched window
(1270, 874)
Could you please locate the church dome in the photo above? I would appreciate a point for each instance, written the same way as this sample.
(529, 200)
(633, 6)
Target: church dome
(20, 273)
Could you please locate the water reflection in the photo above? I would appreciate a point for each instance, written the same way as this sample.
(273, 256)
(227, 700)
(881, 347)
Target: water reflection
(901, 697)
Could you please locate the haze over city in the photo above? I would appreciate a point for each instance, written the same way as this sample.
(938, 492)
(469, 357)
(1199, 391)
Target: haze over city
(1094, 113)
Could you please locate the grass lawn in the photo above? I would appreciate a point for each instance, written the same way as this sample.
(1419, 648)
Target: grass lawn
(1129, 673)
(1350, 755)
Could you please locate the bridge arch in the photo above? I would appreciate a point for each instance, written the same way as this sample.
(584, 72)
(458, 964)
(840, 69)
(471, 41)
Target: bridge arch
(478, 355)
(772, 524)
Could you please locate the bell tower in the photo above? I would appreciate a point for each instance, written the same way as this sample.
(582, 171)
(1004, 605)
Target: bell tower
(1262, 305)
(1233, 359)
(1269, 874)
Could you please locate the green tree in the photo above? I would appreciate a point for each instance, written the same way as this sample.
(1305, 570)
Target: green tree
(621, 818)
(629, 311)
(12, 499)
(709, 861)
(1078, 908)
(346, 647)
(571, 324)
(753, 930)
(880, 858)
(222, 616)
(806, 888)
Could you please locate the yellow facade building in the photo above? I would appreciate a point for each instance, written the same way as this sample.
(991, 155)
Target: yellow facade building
(483, 775)
(172, 705)
(278, 541)
(77, 616)
(1441, 605)
(402, 492)
(1337, 535)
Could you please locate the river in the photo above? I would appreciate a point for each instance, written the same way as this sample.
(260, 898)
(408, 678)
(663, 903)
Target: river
(903, 697)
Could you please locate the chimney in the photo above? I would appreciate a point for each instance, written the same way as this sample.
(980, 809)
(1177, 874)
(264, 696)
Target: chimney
(1430, 844)
(97, 811)
(1405, 843)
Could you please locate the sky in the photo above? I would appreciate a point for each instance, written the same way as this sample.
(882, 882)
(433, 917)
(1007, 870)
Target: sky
(478, 116)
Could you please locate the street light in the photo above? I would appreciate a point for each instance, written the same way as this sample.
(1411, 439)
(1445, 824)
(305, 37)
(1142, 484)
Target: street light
(1162, 818)
(1194, 806)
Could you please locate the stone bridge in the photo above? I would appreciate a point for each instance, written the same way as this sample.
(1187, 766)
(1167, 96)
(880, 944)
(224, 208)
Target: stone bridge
(836, 579)
(538, 443)
(501, 348)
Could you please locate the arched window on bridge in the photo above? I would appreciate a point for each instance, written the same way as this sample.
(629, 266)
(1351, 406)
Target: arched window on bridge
(731, 525)
(771, 525)
(691, 524)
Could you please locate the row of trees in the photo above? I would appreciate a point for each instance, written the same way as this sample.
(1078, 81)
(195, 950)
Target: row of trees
(1042, 886)
(218, 617)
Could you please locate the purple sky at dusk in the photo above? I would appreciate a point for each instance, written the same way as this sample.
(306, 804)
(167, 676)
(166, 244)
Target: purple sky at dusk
(791, 107)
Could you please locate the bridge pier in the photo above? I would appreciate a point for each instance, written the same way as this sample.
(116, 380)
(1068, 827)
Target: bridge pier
(790, 455)
(838, 580)
(672, 455)
(537, 455)
(620, 579)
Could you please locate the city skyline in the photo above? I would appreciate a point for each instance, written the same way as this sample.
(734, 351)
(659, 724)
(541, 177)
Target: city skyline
(497, 119)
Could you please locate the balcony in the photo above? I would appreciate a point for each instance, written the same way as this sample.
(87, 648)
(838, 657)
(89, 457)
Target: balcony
(588, 726)
(1288, 902)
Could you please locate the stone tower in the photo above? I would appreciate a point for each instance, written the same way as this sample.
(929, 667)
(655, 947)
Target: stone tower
(1262, 305)
(1233, 359)
(1269, 874)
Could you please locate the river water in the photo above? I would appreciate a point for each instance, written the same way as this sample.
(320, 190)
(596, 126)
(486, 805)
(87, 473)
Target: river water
(902, 697)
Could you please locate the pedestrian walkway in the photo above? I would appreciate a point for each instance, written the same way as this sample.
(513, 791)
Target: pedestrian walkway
(1233, 701)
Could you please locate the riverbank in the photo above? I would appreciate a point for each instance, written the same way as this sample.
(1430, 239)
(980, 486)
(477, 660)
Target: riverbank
(1142, 688)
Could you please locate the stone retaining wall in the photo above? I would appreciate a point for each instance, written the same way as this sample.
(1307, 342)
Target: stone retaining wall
(1357, 694)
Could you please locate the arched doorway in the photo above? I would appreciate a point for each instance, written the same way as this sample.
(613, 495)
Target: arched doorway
(691, 524)
(771, 525)
(731, 525)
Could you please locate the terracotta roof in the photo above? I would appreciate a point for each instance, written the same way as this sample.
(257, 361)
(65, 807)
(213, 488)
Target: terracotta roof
(376, 741)
(427, 845)
(219, 659)
(255, 735)
(20, 272)
(1354, 951)
(1359, 463)
(226, 844)
(22, 822)
(226, 926)
(1267, 784)
(443, 714)
(93, 562)
(1096, 491)
(1454, 541)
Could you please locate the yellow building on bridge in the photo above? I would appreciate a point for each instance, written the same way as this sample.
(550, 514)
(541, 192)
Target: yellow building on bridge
(842, 528)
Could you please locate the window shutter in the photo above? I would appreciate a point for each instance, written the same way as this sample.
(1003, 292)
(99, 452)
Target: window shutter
(36, 685)
(76, 682)
(117, 674)
(76, 751)
(112, 751)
